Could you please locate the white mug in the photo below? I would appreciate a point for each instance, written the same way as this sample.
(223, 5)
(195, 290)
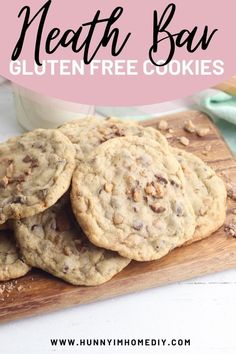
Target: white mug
(37, 111)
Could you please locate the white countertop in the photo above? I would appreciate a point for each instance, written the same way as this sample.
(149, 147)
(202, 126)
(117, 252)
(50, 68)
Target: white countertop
(202, 310)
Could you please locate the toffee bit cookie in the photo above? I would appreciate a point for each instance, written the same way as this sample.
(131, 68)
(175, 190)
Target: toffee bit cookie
(129, 197)
(11, 266)
(207, 194)
(35, 171)
(52, 241)
(90, 132)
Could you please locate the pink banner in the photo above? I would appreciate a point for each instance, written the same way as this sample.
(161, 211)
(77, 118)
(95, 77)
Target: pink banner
(196, 38)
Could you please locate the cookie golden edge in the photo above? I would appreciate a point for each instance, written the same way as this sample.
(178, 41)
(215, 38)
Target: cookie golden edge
(16, 270)
(218, 210)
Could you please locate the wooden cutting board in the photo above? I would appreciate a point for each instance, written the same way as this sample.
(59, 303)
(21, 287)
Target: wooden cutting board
(39, 292)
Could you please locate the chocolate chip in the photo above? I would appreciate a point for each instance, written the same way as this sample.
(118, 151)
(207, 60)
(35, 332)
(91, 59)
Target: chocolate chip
(161, 179)
(119, 133)
(179, 211)
(34, 227)
(37, 145)
(42, 194)
(19, 179)
(174, 184)
(19, 199)
(65, 269)
(137, 225)
(27, 159)
(33, 161)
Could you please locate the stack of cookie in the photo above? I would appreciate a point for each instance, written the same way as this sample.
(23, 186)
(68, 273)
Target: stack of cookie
(132, 197)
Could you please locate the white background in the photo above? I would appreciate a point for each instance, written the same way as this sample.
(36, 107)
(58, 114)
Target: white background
(202, 310)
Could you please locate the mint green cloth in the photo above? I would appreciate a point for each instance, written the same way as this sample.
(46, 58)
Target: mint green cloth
(222, 109)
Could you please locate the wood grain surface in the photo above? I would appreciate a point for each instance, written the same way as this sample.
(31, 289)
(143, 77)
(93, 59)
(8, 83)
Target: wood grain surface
(39, 292)
(228, 86)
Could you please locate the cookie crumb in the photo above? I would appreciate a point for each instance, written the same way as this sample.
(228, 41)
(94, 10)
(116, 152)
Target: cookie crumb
(201, 132)
(189, 126)
(169, 136)
(163, 125)
(231, 191)
(207, 149)
(184, 141)
(7, 288)
(230, 229)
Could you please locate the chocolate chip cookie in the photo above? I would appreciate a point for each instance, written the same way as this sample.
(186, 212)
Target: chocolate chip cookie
(52, 241)
(129, 196)
(35, 171)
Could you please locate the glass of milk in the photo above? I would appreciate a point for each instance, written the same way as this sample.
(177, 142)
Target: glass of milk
(34, 110)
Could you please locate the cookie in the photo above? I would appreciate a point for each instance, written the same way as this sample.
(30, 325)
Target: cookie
(35, 171)
(90, 132)
(129, 196)
(53, 242)
(207, 194)
(11, 265)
